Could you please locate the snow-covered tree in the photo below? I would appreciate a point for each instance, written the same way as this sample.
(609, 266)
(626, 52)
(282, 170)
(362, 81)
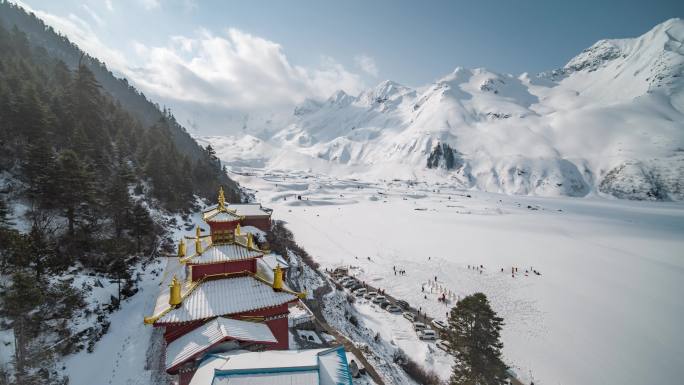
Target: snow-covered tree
(474, 334)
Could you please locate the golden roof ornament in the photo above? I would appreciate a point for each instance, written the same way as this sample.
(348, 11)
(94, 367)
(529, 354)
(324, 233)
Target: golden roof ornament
(181, 248)
(198, 242)
(221, 199)
(250, 241)
(278, 278)
(175, 292)
(238, 230)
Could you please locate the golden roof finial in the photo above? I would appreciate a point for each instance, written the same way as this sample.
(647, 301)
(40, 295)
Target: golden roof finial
(175, 292)
(181, 249)
(237, 230)
(277, 278)
(250, 241)
(198, 242)
(221, 199)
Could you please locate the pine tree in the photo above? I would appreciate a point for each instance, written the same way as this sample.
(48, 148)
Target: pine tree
(40, 251)
(118, 201)
(39, 172)
(86, 99)
(119, 269)
(474, 334)
(5, 213)
(141, 224)
(75, 188)
(211, 152)
(19, 302)
(34, 121)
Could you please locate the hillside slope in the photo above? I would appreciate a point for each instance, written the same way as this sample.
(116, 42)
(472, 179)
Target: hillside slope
(134, 102)
(610, 122)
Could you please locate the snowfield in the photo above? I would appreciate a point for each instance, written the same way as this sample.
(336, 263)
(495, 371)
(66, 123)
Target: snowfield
(605, 309)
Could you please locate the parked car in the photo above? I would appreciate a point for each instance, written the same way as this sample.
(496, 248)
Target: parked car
(360, 292)
(356, 285)
(393, 309)
(444, 345)
(379, 299)
(385, 304)
(344, 279)
(370, 294)
(403, 304)
(427, 334)
(409, 316)
(419, 326)
(349, 283)
(439, 325)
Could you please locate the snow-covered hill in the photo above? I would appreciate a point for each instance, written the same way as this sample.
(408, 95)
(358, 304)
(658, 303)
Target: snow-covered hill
(611, 121)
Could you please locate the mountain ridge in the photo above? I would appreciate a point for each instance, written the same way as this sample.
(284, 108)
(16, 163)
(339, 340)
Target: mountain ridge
(608, 123)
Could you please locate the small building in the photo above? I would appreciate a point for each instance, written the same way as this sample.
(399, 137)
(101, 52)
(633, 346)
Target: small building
(222, 218)
(254, 214)
(306, 367)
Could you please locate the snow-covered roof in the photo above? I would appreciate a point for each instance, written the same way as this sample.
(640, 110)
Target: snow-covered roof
(300, 377)
(250, 209)
(242, 209)
(272, 259)
(199, 340)
(292, 367)
(224, 253)
(190, 250)
(218, 215)
(223, 297)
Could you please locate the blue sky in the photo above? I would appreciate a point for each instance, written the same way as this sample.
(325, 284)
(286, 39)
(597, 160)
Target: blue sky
(250, 54)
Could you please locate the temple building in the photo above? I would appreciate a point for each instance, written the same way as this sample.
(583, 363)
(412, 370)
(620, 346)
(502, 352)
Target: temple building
(223, 218)
(221, 293)
(306, 367)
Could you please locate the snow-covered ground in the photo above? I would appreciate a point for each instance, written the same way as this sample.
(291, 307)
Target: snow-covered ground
(120, 357)
(605, 309)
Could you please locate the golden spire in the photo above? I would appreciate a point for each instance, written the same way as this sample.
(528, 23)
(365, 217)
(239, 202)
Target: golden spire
(175, 292)
(278, 278)
(221, 199)
(181, 249)
(237, 230)
(198, 242)
(250, 241)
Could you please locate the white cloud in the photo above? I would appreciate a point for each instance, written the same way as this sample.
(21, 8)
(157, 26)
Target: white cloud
(236, 70)
(80, 32)
(366, 64)
(150, 4)
(109, 5)
(230, 73)
(93, 15)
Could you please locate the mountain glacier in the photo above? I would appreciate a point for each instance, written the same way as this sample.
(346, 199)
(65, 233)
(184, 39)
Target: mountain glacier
(610, 122)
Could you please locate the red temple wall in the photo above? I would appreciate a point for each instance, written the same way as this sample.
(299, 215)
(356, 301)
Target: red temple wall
(261, 223)
(200, 271)
(176, 330)
(214, 226)
(279, 328)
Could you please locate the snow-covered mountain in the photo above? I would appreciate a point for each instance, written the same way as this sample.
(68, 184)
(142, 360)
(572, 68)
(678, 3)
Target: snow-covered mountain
(610, 121)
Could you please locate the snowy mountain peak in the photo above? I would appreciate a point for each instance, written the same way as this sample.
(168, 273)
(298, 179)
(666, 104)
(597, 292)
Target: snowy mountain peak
(340, 99)
(609, 122)
(650, 62)
(387, 90)
(307, 106)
